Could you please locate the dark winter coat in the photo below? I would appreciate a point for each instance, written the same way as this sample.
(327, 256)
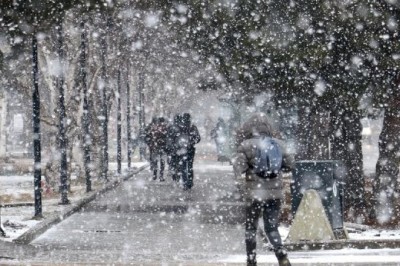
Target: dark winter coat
(194, 135)
(255, 187)
(156, 136)
(178, 131)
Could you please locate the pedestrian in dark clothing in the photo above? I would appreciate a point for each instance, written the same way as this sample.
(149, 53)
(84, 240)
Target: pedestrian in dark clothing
(194, 139)
(186, 137)
(172, 136)
(156, 139)
(148, 138)
(262, 193)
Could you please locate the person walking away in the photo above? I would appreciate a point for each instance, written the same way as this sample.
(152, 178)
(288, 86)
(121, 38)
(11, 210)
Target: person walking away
(158, 143)
(193, 140)
(219, 135)
(148, 139)
(262, 157)
(186, 140)
(172, 136)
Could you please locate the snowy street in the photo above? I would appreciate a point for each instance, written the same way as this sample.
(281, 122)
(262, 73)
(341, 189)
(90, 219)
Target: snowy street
(146, 222)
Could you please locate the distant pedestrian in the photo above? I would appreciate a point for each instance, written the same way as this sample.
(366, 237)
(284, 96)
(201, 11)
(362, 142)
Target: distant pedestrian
(220, 136)
(156, 139)
(194, 139)
(148, 138)
(186, 137)
(262, 157)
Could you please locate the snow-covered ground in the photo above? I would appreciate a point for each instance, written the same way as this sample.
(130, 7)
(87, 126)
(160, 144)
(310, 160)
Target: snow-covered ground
(16, 188)
(18, 219)
(330, 257)
(345, 256)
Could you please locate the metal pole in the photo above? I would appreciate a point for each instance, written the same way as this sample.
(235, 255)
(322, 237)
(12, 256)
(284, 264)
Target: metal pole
(85, 118)
(128, 118)
(62, 123)
(36, 130)
(119, 150)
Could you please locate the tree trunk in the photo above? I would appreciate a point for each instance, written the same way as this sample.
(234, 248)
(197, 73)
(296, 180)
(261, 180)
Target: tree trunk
(85, 118)
(313, 134)
(3, 118)
(128, 118)
(119, 124)
(104, 107)
(386, 208)
(142, 148)
(346, 146)
(62, 123)
(36, 130)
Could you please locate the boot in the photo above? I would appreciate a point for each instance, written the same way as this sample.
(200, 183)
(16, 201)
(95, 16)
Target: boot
(251, 245)
(251, 260)
(154, 174)
(281, 255)
(284, 261)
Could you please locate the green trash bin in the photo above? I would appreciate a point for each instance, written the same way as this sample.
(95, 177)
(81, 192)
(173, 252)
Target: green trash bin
(326, 177)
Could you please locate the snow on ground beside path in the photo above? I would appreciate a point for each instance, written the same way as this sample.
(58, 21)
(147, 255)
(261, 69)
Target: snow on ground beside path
(17, 188)
(370, 234)
(17, 220)
(15, 179)
(376, 234)
(344, 256)
(15, 182)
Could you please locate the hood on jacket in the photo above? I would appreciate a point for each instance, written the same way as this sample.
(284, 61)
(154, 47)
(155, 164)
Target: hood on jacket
(257, 125)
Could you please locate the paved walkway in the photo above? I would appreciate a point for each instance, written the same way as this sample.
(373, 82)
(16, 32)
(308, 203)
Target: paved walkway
(146, 222)
(152, 221)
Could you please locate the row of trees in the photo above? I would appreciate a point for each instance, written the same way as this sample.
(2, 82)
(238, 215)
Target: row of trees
(85, 57)
(32, 21)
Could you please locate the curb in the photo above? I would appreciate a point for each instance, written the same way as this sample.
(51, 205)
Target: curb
(42, 227)
(11, 251)
(341, 244)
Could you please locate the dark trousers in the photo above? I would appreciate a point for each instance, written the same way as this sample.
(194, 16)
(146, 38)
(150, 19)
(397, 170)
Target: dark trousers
(191, 153)
(155, 157)
(183, 171)
(270, 210)
(173, 166)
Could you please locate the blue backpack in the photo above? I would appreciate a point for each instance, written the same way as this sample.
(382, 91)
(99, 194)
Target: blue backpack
(268, 161)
